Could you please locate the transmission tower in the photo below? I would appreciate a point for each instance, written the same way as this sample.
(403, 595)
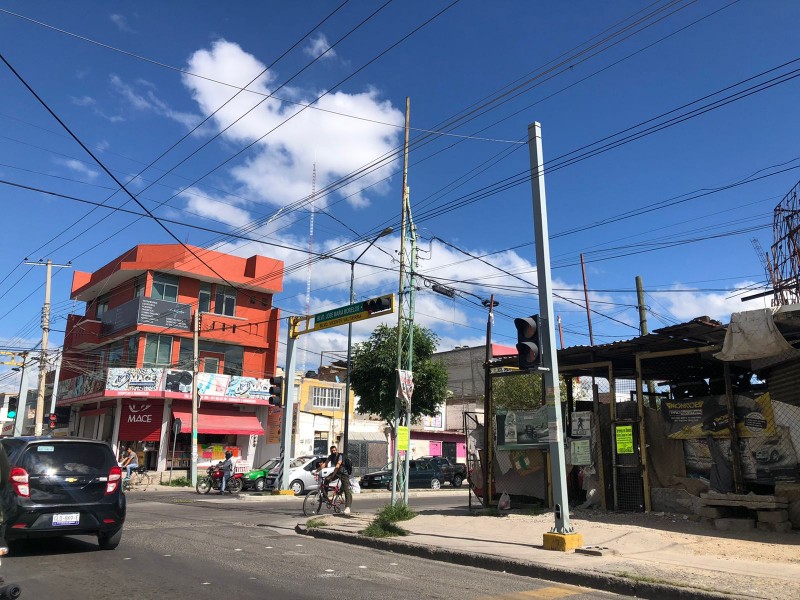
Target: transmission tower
(310, 256)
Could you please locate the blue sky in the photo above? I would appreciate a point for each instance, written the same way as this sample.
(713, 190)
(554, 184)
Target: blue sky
(132, 80)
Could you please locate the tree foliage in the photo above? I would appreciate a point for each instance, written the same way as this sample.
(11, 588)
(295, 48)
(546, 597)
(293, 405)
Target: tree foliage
(520, 392)
(373, 374)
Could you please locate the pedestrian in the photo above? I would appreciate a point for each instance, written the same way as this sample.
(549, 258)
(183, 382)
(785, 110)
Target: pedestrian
(130, 461)
(342, 473)
(227, 471)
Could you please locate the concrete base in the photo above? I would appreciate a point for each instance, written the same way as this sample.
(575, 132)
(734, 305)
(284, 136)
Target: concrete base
(283, 493)
(562, 542)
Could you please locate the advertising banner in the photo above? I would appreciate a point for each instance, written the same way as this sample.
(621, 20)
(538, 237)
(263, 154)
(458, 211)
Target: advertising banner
(140, 421)
(696, 418)
(274, 423)
(248, 387)
(624, 439)
(405, 386)
(212, 384)
(522, 428)
(178, 383)
(134, 382)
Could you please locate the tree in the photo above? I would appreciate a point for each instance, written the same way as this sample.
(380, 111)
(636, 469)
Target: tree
(518, 392)
(373, 374)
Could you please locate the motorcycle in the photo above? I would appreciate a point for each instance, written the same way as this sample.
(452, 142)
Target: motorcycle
(8, 591)
(213, 481)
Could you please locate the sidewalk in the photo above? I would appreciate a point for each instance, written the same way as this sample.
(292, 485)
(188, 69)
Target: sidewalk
(653, 555)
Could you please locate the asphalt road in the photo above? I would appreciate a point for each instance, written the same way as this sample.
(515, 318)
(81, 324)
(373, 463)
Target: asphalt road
(180, 546)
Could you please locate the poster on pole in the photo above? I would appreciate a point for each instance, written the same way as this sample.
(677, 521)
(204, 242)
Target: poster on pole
(402, 437)
(405, 387)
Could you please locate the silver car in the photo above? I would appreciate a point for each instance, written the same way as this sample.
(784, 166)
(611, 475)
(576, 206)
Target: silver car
(301, 478)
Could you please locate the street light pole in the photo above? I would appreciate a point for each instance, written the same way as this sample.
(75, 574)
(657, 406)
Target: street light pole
(346, 432)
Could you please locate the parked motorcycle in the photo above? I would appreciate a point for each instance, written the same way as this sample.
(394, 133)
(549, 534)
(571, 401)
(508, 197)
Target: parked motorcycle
(213, 481)
(8, 591)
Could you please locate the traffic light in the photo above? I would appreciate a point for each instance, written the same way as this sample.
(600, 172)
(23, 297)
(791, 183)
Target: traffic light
(276, 391)
(12, 407)
(378, 305)
(529, 342)
(53, 421)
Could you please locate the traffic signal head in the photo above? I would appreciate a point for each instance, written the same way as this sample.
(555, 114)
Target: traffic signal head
(12, 407)
(529, 342)
(276, 391)
(378, 305)
(53, 420)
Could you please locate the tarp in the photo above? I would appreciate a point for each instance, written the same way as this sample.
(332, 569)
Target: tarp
(751, 335)
(217, 421)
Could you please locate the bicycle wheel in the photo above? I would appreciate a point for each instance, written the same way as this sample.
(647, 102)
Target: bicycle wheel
(146, 481)
(312, 504)
(337, 503)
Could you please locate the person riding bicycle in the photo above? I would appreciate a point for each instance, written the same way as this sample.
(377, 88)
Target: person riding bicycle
(336, 460)
(130, 461)
(227, 471)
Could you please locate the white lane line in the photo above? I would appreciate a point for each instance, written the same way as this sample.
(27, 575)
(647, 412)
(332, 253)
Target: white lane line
(362, 567)
(329, 570)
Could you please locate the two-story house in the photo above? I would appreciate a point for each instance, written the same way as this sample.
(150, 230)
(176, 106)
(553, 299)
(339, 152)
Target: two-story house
(127, 362)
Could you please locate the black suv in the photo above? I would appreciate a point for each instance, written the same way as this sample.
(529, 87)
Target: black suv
(62, 486)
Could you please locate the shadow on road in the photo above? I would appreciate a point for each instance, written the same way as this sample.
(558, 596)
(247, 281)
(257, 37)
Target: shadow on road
(51, 546)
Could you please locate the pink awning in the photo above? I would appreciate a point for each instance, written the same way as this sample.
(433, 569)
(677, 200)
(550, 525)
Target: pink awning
(219, 421)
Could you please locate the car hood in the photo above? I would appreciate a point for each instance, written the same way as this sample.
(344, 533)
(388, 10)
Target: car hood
(378, 473)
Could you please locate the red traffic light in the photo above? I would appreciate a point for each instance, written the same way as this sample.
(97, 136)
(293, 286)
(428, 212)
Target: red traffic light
(53, 420)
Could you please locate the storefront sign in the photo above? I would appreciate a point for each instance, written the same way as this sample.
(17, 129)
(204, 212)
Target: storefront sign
(140, 421)
(147, 311)
(178, 382)
(274, 422)
(624, 439)
(134, 382)
(248, 387)
(212, 384)
(695, 418)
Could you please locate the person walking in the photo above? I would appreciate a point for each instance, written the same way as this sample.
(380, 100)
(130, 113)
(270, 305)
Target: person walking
(227, 471)
(130, 461)
(340, 472)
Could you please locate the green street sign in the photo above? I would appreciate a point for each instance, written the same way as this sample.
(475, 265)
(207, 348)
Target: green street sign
(354, 312)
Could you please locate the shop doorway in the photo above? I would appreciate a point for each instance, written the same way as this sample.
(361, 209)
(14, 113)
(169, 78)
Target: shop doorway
(449, 450)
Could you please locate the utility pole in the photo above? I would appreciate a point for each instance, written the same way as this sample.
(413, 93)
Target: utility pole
(22, 397)
(560, 332)
(288, 407)
(562, 536)
(642, 309)
(195, 395)
(45, 335)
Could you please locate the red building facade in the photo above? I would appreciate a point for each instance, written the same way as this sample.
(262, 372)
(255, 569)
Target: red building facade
(126, 371)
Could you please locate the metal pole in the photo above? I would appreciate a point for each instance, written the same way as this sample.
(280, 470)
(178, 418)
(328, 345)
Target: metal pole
(288, 408)
(195, 396)
(22, 398)
(54, 392)
(550, 376)
(43, 356)
(487, 408)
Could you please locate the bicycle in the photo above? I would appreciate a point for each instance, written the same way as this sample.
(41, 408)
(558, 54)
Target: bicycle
(140, 479)
(330, 496)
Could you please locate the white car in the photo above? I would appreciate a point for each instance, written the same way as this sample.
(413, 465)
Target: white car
(301, 478)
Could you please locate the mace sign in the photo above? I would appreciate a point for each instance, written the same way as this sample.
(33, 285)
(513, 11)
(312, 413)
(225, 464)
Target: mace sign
(141, 421)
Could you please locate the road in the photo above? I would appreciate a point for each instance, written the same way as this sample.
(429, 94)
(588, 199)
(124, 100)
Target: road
(176, 546)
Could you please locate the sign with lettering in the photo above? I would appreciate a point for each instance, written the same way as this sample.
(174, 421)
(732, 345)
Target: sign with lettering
(402, 437)
(624, 439)
(140, 421)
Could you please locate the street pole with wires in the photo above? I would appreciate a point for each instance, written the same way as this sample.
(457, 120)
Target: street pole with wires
(45, 335)
(345, 434)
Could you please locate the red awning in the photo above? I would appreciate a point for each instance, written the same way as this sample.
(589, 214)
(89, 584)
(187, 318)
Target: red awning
(219, 421)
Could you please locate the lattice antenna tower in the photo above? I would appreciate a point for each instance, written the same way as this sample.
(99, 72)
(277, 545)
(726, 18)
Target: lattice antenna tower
(310, 255)
(786, 249)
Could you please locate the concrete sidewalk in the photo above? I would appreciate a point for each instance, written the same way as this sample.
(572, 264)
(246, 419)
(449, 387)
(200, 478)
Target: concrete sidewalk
(644, 555)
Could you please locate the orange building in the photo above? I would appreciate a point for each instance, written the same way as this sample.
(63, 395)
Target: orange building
(127, 366)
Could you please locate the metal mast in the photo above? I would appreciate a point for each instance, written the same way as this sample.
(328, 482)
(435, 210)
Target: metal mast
(405, 318)
(310, 254)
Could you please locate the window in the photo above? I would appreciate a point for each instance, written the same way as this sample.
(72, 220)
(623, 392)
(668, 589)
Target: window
(204, 298)
(225, 302)
(210, 365)
(138, 286)
(158, 350)
(102, 305)
(320, 442)
(132, 351)
(325, 397)
(165, 287)
(233, 356)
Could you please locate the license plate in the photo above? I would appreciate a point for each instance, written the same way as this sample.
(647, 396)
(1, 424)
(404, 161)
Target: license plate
(66, 519)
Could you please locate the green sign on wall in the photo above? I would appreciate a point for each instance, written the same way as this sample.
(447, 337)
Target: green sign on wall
(624, 439)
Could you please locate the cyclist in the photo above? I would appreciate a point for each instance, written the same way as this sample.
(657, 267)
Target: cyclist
(130, 461)
(335, 460)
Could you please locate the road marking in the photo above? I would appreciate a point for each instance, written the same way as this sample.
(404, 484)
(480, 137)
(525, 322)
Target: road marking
(545, 593)
(393, 564)
(168, 555)
(268, 547)
(329, 570)
(206, 583)
(362, 567)
(128, 558)
(237, 549)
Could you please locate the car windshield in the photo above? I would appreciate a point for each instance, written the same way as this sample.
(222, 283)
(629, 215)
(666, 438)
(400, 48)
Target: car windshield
(270, 464)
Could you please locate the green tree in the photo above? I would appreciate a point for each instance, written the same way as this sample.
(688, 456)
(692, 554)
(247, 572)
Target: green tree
(518, 392)
(373, 374)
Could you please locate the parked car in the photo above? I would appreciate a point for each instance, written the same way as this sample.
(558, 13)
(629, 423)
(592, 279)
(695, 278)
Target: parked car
(300, 477)
(454, 473)
(377, 479)
(63, 486)
(256, 479)
(421, 473)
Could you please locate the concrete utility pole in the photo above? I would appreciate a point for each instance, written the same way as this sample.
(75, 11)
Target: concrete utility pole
(45, 335)
(22, 397)
(195, 395)
(562, 536)
(642, 309)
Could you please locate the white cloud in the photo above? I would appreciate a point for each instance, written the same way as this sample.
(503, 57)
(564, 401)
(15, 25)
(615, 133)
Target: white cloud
(142, 97)
(121, 22)
(691, 303)
(317, 45)
(278, 170)
(83, 101)
(78, 167)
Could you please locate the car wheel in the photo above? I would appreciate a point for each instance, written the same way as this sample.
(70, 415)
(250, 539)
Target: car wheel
(297, 487)
(457, 481)
(260, 484)
(109, 540)
(435, 484)
(11, 591)
(235, 486)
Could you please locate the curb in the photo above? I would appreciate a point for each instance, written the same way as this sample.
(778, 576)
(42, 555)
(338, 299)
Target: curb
(267, 496)
(598, 581)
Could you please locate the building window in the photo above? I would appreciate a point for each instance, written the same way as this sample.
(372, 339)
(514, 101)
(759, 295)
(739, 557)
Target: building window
(102, 305)
(225, 302)
(165, 287)
(132, 351)
(138, 286)
(325, 397)
(204, 298)
(158, 351)
(320, 442)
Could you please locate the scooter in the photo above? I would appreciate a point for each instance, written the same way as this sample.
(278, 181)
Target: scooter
(8, 591)
(213, 481)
